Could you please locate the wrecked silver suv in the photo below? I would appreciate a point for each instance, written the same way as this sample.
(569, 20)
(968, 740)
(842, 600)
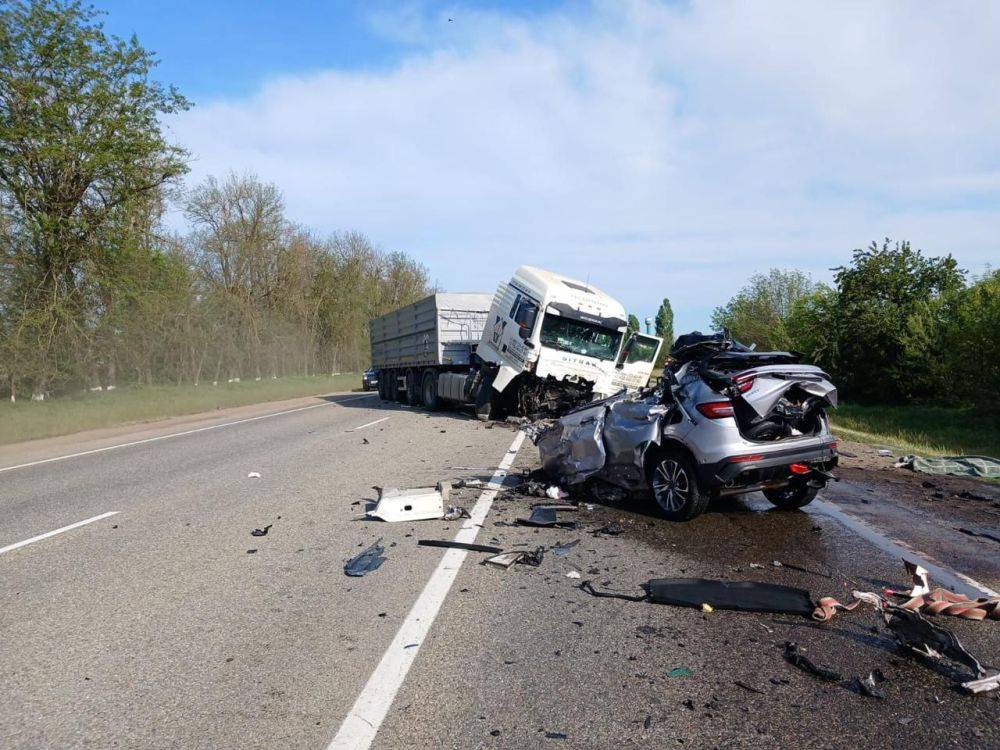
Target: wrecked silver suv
(724, 420)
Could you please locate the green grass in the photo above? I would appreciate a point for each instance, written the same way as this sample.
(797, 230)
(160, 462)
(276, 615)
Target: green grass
(28, 420)
(927, 430)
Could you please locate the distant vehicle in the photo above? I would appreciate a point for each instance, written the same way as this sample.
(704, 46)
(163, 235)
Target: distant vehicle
(724, 420)
(541, 344)
(369, 381)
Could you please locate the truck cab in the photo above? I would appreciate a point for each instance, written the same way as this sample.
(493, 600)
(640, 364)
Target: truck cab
(543, 324)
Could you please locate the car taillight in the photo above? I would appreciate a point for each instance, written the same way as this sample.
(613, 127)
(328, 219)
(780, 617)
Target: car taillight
(745, 382)
(832, 446)
(799, 469)
(745, 459)
(716, 409)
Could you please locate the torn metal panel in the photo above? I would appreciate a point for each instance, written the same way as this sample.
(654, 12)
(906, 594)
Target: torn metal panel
(572, 449)
(420, 504)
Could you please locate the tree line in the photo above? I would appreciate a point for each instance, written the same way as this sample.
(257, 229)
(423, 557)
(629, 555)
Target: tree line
(897, 326)
(96, 291)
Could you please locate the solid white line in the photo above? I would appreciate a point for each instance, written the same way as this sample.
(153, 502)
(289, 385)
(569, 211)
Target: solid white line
(369, 710)
(179, 434)
(369, 424)
(958, 582)
(47, 534)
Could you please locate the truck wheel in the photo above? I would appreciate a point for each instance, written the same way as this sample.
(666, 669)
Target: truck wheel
(430, 390)
(412, 388)
(793, 496)
(390, 385)
(382, 377)
(485, 400)
(675, 487)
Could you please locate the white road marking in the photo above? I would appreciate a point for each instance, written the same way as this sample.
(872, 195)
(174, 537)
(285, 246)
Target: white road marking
(47, 534)
(369, 424)
(940, 573)
(179, 434)
(369, 710)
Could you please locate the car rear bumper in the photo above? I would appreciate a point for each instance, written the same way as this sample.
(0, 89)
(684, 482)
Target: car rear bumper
(753, 466)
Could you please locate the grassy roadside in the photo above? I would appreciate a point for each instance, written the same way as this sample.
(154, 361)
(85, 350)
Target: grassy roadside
(29, 420)
(927, 430)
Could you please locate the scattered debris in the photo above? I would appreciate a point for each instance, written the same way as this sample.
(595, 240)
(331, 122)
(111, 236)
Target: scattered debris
(747, 596)
(468, 483)
(556, 735)
(610, 529)
(794, 656)
(448, 544)
(364, 441)
(987, 532)
(743, 685)
(573, 574)
(705, 607)
(561, 550)
(261, 532)
(884, 452)
(455, 512)
(421, 504)
(524, 557)
(868, 685)
(941, 601)
(556, 493)
(251, 552)
(680, 672)
(253, 475)
(367, 561)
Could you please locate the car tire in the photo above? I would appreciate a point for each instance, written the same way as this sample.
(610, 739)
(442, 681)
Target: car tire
(674, 484)
(793, 496)
(430, 390)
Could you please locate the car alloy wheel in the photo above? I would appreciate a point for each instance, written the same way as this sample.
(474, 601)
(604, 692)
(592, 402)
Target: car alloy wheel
(671, 485)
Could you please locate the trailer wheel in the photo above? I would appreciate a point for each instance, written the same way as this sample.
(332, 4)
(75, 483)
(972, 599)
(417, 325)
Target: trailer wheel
(412, 388)
(381, 385)
(430, 390)
(390, 385)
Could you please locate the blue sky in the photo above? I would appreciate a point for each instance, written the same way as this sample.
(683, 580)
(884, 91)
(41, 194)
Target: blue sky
(660, 149)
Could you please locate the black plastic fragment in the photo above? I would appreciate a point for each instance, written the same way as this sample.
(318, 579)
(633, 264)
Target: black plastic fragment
(915, 632)
(261, 532)
(745, 596)
(367, 561)
(588, 587)
(561, 550)
(987, 532)
(459, 545)
(794, 657)
(539, 517)
(610, 529)
(869, 685)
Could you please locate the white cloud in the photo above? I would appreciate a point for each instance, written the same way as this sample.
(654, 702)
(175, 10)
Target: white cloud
(656, 149)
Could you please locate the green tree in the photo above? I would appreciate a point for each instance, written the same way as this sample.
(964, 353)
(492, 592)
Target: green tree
(759, 311)
(665, 323)
(633, 325)
(972, 342)
(892, 303)
(81, 155)
(811, 326)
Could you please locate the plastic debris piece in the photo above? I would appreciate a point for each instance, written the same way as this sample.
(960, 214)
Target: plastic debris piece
(884, 452)
(455, 512)
(556, 736)
(868, 685)
(986, 532)
(421, 504)
(367, 561)
(261, 532)
(573, 574)
(610, 529)
(556, 492)
(680, 672)
(253, 475)
(539, 517)
(794, 656)
(448, 544)
(706, 607)
(747, 596)
(745, 686)
(561, 550)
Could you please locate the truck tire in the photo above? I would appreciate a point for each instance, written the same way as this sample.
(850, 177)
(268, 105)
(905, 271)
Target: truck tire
(485, 400)
(429, 389)
(413, 388)
(793, 496)
(391, 390)
(674, 484)
(382, 380)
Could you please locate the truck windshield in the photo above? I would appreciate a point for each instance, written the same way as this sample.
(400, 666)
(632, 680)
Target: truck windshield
(643, 350)
(579, 337)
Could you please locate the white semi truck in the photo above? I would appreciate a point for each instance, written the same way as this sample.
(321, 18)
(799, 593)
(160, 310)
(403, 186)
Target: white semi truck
(541, 344)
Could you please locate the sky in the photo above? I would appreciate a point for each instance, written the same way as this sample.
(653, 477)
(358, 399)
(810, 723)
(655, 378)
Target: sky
(656, 149)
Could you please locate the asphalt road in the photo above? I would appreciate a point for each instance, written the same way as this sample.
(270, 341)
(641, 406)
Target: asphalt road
(157, 627)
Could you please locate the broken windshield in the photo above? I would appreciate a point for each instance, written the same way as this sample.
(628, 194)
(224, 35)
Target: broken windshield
(579, 338)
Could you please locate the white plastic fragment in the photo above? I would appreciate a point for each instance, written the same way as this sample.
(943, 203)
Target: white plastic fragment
(556, 492)
(573, 574)
(884, 452)
(253, 475)
(421, 504)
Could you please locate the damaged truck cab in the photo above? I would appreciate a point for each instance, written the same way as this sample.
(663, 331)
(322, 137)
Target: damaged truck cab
(544, 344)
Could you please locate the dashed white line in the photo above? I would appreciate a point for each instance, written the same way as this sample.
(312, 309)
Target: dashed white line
(47, 534)
(362, 723)
(368, 424)
(180, 434)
